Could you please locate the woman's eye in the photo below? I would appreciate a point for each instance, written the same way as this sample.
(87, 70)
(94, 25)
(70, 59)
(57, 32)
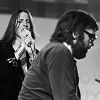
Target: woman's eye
(19, 21)
(28, 21)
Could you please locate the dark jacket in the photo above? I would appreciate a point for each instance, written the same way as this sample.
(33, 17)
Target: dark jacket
(11, 73)
(52, 76)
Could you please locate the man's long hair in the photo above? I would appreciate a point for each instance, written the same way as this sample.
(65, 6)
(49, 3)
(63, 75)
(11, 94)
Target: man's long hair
(71, 22)
(10, 33)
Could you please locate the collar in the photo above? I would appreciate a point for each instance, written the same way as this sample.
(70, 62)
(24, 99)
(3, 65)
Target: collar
(68, 46)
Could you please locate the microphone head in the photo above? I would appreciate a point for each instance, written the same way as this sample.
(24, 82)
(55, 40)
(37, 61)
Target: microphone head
(25, 33)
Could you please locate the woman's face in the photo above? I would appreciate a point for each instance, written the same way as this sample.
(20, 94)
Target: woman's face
(23, 23)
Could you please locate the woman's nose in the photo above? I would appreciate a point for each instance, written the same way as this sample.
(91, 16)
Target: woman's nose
(25, 24)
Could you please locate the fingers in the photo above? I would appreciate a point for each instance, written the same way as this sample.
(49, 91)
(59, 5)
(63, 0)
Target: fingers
(27, 40)
(24, 33)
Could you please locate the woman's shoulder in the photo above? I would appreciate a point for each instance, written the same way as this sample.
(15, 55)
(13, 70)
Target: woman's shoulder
(4, 45)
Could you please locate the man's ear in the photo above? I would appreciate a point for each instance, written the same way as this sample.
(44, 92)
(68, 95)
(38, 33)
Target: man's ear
(75, 35)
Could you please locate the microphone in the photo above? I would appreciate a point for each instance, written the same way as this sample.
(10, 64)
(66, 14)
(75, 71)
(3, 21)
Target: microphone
(27, 37)
(28, 40)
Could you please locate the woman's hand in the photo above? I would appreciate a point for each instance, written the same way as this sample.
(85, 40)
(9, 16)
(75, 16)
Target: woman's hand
(28, 40)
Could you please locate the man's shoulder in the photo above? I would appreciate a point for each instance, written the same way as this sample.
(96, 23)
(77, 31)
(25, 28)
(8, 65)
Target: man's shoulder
(55, 46)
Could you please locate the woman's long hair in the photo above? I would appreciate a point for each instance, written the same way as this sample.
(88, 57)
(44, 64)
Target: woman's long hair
(10, 33)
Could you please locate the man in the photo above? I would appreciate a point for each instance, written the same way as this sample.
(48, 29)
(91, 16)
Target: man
(53, 75)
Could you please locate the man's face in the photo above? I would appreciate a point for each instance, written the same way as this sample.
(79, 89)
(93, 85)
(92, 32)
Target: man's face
(81, 46)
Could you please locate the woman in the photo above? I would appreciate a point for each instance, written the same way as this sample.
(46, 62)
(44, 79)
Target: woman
(17, 50)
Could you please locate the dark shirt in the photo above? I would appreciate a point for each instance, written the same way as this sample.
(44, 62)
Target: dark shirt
(52, 76)
(11, 73)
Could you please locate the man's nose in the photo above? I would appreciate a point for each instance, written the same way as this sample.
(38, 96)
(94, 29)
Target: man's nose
(91, 44)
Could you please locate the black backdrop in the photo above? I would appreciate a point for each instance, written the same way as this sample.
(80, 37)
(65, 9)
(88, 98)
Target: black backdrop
(46, 8)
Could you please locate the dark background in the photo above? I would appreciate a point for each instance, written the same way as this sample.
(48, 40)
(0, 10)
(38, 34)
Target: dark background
(50, 8)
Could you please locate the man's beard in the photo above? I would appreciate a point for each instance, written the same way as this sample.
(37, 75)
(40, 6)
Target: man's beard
(79, 50)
